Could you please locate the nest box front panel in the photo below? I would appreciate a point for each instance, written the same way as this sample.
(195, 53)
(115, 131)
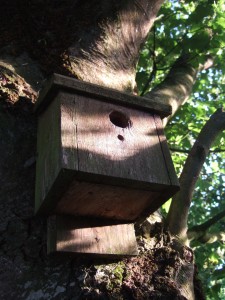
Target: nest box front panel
(105, 139)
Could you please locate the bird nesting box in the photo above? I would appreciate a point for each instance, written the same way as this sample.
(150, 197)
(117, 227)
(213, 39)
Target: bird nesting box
(101, 153)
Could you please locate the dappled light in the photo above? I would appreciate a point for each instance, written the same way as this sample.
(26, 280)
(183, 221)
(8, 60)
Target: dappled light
(95, 237)
(112, 133)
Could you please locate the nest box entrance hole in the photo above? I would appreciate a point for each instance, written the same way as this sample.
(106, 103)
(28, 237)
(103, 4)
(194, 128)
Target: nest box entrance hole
(120, 119)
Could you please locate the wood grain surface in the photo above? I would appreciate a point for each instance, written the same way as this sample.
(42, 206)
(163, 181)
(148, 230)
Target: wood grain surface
(90, 236)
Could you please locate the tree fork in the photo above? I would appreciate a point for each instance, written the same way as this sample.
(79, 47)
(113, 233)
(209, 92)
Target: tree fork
(177, 86)
(113, 51)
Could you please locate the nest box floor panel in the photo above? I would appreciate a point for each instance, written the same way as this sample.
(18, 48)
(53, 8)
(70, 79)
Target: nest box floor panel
(98, 200)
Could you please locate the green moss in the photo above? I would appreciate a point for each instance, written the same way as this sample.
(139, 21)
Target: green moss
(111, 275)
(118, 273)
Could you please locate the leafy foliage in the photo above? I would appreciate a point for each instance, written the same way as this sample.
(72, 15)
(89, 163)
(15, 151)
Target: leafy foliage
(196, 27)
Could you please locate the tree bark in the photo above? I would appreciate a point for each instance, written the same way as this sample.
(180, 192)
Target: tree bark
(95, 41)
(177, 86)
(112, 50)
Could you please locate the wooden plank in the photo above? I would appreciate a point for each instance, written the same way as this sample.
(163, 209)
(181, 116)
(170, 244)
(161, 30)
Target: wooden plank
(166, 153)
(130, 153)
(62, 83)
(106, 201)
(68, 131)
(56, 192)
(90, 236)
(48, 150)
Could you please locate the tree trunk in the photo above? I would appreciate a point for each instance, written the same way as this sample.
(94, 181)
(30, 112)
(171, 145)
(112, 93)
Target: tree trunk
(98, 42)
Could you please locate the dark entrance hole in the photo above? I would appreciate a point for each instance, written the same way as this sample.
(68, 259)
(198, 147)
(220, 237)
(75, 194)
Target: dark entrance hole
(119, 119)
(120, 137)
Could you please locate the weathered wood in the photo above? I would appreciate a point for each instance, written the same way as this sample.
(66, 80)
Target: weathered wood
(107, 160)
(165, 150)
(48, 151)
(102, 148)
(62, 83)
(107, 201)
(93, 237)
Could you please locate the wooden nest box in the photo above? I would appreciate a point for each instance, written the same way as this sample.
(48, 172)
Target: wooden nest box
(101, 153)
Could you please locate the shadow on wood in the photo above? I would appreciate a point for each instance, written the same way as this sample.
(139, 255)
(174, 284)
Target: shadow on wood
(90, 236)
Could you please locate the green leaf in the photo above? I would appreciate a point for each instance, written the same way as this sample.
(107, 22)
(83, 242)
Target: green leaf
(219, 274)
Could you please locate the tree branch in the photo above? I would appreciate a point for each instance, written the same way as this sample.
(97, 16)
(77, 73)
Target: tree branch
(154, 69)
(207, 237)
(205, 226)
(151, 77)
(186, 151)
(177, 86)
(200, 232)
(178, 213)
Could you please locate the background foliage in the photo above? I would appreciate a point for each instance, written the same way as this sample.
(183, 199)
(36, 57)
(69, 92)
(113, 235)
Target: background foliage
(196, 27)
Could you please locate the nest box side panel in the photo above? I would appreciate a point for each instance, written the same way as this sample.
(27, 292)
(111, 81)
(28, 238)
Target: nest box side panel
(119, 142)
(93, 237)
(49, 152)
(69, 131)
(166, 153)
